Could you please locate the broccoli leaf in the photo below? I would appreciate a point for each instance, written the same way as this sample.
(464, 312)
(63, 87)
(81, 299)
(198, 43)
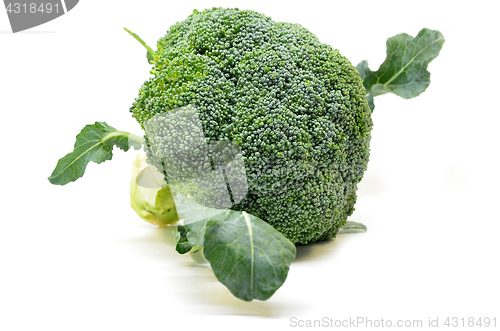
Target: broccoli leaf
(150, 53)
(404, 71)
(190, 236)
(247, 255)
(182, 243)
(352, 227)
(94, 143)
(195, 216)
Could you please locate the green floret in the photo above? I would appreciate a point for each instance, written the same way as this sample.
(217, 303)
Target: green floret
(296, 107)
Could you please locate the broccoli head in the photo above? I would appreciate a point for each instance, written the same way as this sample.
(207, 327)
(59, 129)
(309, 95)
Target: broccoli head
(296, 107)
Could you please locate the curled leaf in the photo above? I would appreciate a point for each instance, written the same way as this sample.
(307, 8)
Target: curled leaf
(94, 143)
(404, 71)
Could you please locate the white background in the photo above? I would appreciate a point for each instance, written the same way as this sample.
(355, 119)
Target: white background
(78, 258)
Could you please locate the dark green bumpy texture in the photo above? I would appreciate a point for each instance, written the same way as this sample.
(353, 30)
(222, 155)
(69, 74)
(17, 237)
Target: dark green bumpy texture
(295, 106)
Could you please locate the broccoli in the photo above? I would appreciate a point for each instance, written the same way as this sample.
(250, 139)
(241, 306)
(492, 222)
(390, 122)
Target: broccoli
(233, 92)
(295, 106)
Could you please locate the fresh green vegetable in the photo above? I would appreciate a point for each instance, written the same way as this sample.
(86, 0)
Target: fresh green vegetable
(295, 106)
(299, 114)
